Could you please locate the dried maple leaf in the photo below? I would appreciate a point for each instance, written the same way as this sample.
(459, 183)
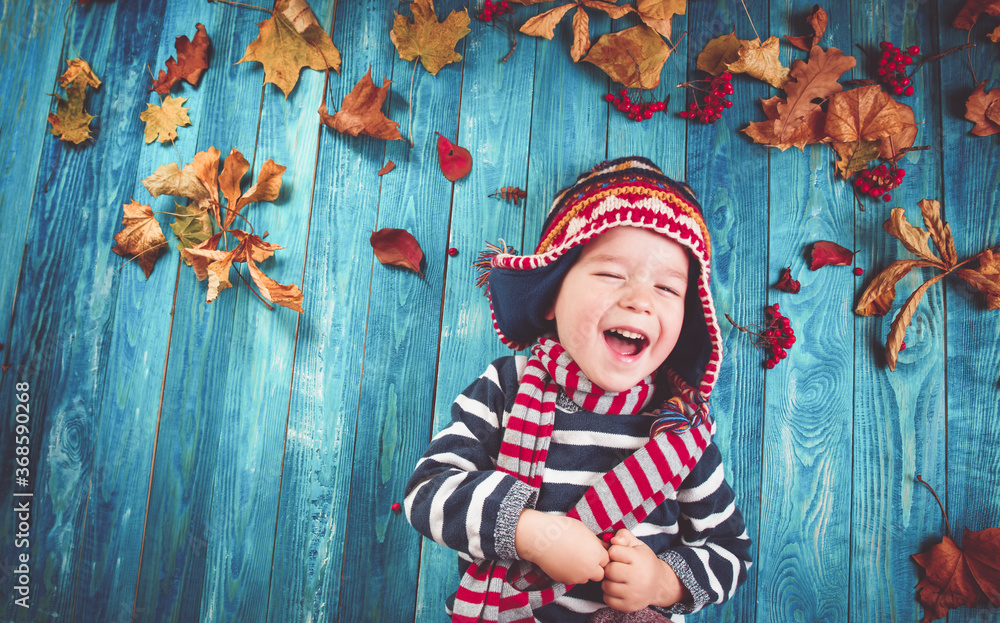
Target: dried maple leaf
(290, 40)
(818, 20)
(141, 236)
(982, 554)
(192, 225)
(659, 14)
(192, 60)
(425, 38)
(810, 130)
(718, 53)
(983, 109)
(826, 253)
(162, 121)
(71, 122)
(786, 283)
(866, 113)
(970, 13)
(361, 111)
(855, 156)
(397, 247)
(760, 60)
(455, 161)
(633, 57)
(544, 24)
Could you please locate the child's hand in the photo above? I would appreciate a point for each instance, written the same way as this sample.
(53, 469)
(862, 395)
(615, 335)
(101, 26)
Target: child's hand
(635, 578)
(565, 549)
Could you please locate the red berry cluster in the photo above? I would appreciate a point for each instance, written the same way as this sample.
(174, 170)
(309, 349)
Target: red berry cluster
(638, 110)
(778, 336)
(878, 181)
(711, 107)
(491, 10)
(892, 68)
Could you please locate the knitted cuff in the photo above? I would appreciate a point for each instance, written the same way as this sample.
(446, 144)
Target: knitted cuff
(698, 595)
(520, 497)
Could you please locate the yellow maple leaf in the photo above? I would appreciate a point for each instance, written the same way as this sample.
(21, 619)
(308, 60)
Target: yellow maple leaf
(71, 122)
(141, 236)
(162, 121)
(760, 60)
(290, 40)
(426, 38)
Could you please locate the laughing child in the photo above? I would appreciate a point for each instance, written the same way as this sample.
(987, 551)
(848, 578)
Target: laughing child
(581, 483)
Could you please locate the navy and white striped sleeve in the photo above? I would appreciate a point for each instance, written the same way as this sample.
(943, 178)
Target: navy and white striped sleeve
(714, 555)
(455, 495)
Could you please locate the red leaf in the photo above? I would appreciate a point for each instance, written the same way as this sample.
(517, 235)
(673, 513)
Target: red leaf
(948, 582)
(786, 283)
(397, 247)
(826, 253)
(982, 554)
(455, 161)
(192, 59)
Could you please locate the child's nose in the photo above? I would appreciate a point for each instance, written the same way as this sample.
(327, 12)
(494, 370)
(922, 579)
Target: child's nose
(636, 298)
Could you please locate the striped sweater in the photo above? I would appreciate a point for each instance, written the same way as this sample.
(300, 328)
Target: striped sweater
(456, 497)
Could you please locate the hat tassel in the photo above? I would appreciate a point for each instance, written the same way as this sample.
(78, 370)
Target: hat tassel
(484, 263)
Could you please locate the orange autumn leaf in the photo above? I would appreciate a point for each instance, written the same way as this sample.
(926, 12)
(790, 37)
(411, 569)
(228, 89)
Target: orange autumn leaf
(141, 236)
(397, 247)
(983, 109)
(809, 130)
(544, 24)
(389, 166)
(881, 292)
(808, 82)
(290, 40)
(985, 278)
(915, 239)
(818, 20)
(426, 38)
(760, 60)
(192, 60)
(361, 111)
(866, 113)
(971, 11)
(659, 14)
(995, 35)
(939, 231)
(633, 57)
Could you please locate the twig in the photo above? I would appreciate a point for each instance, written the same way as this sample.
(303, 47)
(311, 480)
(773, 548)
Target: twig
(243, 5)
(934, 493)
(751, 19)
(940, 55)
(409, 103)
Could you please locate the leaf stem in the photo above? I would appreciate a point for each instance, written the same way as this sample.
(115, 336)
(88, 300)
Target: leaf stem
(255, 293)
(751, 19)
(409, 103)
(934, 493)
(243, 5)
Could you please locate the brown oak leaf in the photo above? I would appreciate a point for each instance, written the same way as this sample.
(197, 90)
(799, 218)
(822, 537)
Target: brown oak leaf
(192, 60)
(71, 122)
(718, 53)
(818, 20)
(397, 247)
(141, 236)
(760, 60)
(361, 111)
(290, 40)
(983, 109)
(866, 113)
(162, 121)
(971, 11)
(633, 57)
(810, 81)
(426, 38)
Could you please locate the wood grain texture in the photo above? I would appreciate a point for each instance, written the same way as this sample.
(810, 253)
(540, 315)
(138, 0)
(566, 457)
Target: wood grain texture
(494, 105)
(193, 414)
(807, 444)
(899, 416)
(319, 450)
(970, 197)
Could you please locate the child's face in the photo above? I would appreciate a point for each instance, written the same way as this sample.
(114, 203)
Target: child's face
(620, 308)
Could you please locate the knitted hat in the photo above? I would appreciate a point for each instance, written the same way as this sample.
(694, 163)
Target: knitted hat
(628, 191)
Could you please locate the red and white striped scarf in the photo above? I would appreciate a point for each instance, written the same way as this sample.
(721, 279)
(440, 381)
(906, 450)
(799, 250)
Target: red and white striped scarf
(509, 590)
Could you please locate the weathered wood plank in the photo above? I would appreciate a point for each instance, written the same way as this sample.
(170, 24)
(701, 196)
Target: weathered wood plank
(899, 416)
(381, 552)
(970, 199)
(492, 126)
(67, 303)
(319, 450)
(804, 536)
(193, 414)
(30, 61)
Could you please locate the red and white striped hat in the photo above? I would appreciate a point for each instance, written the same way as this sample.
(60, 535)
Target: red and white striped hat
(624, 192)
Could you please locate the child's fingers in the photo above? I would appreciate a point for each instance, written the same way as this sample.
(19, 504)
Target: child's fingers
(625, 538)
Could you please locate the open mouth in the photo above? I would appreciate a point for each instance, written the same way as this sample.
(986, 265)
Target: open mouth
(625, 342)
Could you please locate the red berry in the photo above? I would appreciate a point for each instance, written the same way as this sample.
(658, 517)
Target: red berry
(623, 92)
(913, 50)
(886, 197)
(486, 16)
(902, 346)
(885, 45)
(901, 172)
(397, 507)
(769, 364)
(648, 114)
(908, 92)
(859, 271)
(452, 251)
(609, 97)
(899, 90)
